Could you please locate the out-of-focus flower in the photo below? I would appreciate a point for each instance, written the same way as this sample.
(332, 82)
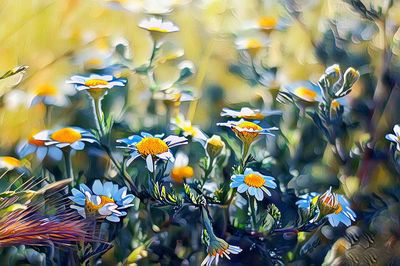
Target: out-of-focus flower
(267, 23)
(254, 183)
(105, 199)
(218, 248)
(247, 131)
(251, 44)
(173, 95)
(158, 27)
(74, 137)
(305, 91)
(334, 85)
(188, 129)
(331, 205)
(10, 163)
(214, 146)
(395, 138)
(247, 113)
(94, 58)
(181, 169)
(151, 148)
(49, 95)
(11, 78)
(34, 145)
(96, 85)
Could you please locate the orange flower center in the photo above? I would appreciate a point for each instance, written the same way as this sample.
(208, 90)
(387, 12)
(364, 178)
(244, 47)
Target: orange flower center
(244, 135)
(253, 44)
(306, 94)
(95, 82)
(46, 90)
(152, 146)
(335, 104)
(66, 135)
(36, 142)
(254, 180)
(91, 207)
(179, 173)
(254, 116)
(14, 162)
(267, 22)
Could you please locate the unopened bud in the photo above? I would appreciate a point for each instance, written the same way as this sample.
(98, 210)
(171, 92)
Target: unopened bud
(214, 146)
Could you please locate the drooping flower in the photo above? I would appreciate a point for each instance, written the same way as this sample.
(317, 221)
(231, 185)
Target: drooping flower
(151, 148)
(106, 200)
(219, 248)
(247, 131)
(74, 137)
(247, 113)
(254, 183)
(96, 85)
(188, 130)
(34, 145)
(49, 95)
(395, 138)
(181, 169)
(214, 146)
(331, 205)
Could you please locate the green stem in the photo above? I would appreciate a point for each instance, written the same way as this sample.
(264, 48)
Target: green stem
(68, 165)
(98, 115)
(245, 155)
(252, 211)
(207, 223)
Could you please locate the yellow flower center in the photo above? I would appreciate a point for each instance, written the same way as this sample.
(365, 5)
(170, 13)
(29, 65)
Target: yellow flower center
(91, 207)
(335, 104)
(179, 173)
(66, 135)
(94, 62)
(46, 90)
(157, 29)
(306, 94)
(267, 22)
(36, 142)
(95, 82)
(254, 180)
(14, 162)
(152, 146)
(190, 130)
(257, 116)
(253, 44)
(245, 134)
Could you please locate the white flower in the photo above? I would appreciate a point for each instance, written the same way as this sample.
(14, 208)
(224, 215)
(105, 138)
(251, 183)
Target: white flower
(247, 113)
(158, 25)
(188, 129)
(95, 82)
(395, 138)
(34, 145)
(219, 248)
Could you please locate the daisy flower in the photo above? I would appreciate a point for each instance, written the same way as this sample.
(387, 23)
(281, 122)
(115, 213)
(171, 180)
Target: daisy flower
(219, 248)
(96, 85)
(247, 113)
(73, 137)
(305, 91)
(158, 27)
(151, 148)
(104, 199)
(251, 44)
(10, 163)
(247, 131)
(395, 138)
(181, 169)
(34, 145)
(49, 95)
(173, 95)
(331, 205)
(188, 129)
(254, 183)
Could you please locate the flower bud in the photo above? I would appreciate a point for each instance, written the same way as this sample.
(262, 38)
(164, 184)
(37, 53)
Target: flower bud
(214, 146)
(333, 74)
(328, 203)
(350, 77)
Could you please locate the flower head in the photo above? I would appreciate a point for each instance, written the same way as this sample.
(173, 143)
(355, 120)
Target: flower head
(34, 145)
(158, 25)
(305, 91)
(96, 85)
(267, 23)
(395, 138)
(219, 248)
(331, 205)
(247, 113)
(151, 147)
(251, 44)
(173, 95)
(214, 146)
(104, 199)
(188, 129)
(247, 131)
(49, 95)
(254, 183)
(181, 170)
(10, 163)
(73, 137)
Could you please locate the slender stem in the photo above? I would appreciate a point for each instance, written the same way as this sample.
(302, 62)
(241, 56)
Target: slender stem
(68, 165)
(98, 115)
(245, 155)
(207, 222)
(252, 211)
